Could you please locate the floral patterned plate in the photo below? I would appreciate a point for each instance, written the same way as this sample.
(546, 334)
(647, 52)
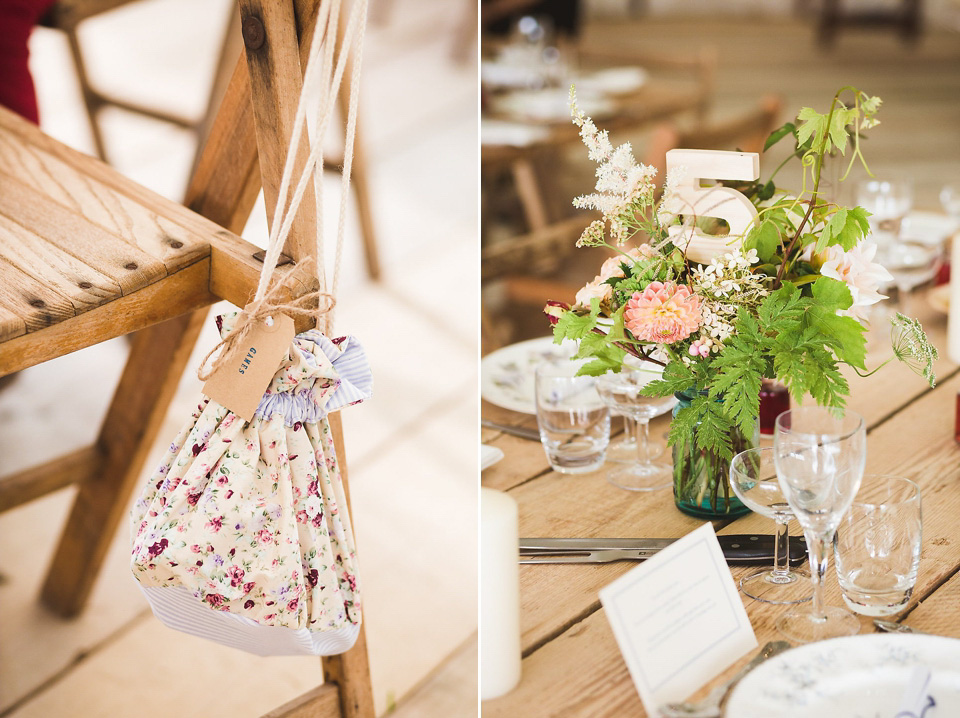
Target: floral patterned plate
(507, 375)
(855, 677)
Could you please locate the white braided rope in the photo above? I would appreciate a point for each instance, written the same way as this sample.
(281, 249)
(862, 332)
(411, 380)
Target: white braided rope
(318, 74)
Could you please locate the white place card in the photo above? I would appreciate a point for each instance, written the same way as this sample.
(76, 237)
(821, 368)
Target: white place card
(678, 619)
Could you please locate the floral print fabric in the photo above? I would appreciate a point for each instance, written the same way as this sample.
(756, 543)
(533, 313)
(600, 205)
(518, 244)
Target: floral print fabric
(251, 516)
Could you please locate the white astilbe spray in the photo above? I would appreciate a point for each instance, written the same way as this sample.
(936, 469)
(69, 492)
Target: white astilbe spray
(624, 187)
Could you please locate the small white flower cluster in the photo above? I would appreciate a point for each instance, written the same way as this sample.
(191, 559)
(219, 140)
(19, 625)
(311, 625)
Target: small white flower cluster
(729, 275)
(725, 285)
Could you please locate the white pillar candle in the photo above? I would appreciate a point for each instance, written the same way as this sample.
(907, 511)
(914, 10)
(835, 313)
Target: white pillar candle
(953, 322)
(499, 595)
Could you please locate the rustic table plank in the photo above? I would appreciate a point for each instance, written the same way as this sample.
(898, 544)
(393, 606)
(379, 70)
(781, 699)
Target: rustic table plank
(581, 672)
(182, 292)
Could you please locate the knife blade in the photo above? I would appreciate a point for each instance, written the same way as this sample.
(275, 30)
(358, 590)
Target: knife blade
(519, 431)
(738, 549)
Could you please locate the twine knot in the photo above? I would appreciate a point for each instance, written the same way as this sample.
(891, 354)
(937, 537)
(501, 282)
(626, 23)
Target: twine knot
(271, 305)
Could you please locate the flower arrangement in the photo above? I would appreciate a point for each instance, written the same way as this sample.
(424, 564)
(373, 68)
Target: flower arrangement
(783, 300)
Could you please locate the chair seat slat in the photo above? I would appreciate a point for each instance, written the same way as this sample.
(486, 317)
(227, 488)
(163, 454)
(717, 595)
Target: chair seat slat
(82, 284)
(134, 222)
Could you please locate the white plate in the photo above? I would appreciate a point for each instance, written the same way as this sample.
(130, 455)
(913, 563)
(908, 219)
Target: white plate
(489, 455)
(506, 73)
(613, 80)
(550, 105)
(928, 227)
(856, 677)
(507, 375)
(511, 134)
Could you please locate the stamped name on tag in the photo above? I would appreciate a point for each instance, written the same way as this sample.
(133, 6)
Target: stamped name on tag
(244, 373)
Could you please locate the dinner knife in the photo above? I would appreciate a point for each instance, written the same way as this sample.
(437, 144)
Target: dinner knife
(519, 431)
(738, 549)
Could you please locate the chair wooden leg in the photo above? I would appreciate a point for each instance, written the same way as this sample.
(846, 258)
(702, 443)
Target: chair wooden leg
(361, 190)
(350, 671)
(91, 101)
(157, 360)
(358, 181)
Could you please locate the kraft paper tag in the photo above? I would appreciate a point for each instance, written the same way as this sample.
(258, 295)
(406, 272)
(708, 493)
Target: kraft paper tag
(245, 373)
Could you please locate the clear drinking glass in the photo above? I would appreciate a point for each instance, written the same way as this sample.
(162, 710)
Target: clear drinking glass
(888, 203)
(950, 199)
(574, 421)
(621, 392)
(753, 477)
(878, 546)
(820, 458)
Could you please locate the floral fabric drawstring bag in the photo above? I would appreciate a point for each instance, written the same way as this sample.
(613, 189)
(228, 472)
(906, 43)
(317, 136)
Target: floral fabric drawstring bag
(242, 535)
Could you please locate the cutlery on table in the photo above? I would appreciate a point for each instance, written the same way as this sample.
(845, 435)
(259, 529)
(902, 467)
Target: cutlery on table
(709, 707)
(894, 627)
(737, 549)
(519, 431)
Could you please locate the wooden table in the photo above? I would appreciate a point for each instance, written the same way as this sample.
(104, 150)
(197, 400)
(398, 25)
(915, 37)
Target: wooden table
(572, 665)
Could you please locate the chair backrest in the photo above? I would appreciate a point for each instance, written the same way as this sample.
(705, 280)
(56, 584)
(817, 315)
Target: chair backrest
(746, 132)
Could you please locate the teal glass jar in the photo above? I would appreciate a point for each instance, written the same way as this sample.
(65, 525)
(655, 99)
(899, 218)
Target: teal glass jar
(701, 479)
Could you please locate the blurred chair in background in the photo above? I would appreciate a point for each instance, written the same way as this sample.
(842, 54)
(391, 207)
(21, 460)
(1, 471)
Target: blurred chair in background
(903, 16)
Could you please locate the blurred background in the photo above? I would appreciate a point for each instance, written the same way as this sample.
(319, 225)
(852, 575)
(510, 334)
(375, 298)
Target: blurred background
(698, 74)
(411, 449)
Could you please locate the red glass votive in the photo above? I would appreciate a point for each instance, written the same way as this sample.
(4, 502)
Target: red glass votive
(774, 400)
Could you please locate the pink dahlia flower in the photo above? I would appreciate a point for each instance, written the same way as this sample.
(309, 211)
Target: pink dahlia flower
(663, 313)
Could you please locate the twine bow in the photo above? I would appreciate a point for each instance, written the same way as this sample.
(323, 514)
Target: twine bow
(306, 305)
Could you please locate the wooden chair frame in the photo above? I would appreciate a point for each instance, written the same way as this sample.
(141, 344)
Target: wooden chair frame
(245, 150)
(67, 15)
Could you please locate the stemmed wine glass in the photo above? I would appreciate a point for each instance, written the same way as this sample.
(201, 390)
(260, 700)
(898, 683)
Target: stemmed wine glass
(820, 457)
(621, 392)
(911, 264)
(888, 203)
(624, 449)
(753, 477)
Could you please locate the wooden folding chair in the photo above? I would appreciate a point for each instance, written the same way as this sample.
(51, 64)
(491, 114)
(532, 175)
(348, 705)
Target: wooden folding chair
(67, 15)
(87, 255)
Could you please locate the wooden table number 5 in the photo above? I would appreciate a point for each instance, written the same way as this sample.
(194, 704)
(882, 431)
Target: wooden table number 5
(691, 200)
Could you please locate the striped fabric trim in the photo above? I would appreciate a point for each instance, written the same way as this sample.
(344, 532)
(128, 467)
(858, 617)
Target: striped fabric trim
(178, 609)
(353, 369)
